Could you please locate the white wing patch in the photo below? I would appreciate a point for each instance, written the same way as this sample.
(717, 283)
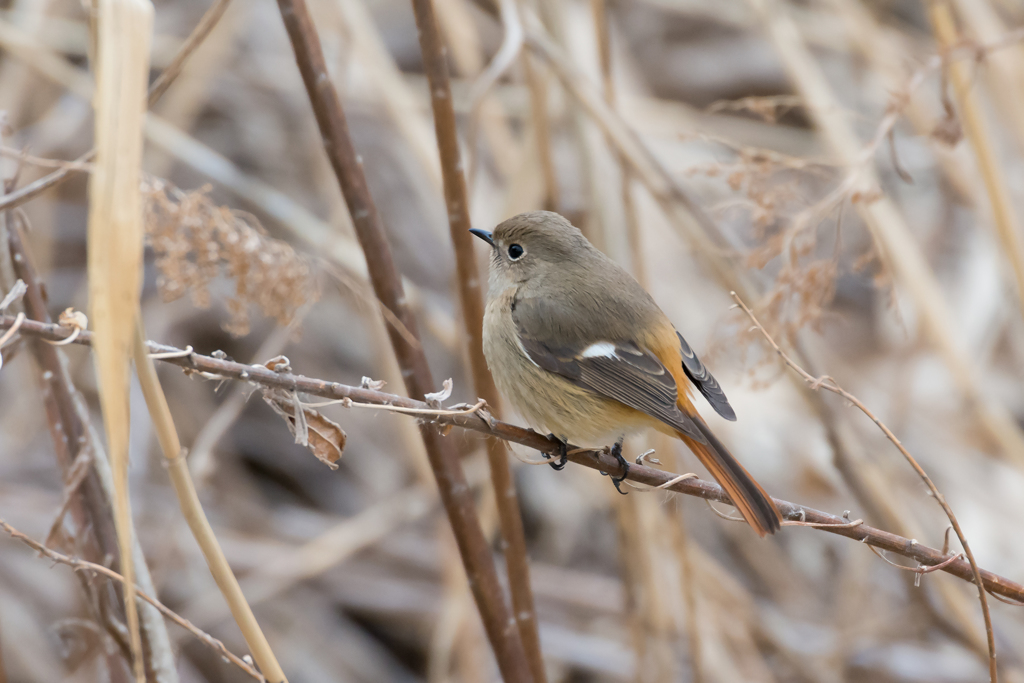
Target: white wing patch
(519, 343)
(600, 350)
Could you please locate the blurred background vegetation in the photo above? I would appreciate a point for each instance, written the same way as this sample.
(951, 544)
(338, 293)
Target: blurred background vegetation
(815, 155)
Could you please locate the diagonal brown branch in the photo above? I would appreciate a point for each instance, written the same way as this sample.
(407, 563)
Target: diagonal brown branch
(84, 565)
(456, 495)
(87, 489)
(480, 421)
(471, 299)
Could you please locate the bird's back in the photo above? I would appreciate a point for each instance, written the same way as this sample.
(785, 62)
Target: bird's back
(624, 308)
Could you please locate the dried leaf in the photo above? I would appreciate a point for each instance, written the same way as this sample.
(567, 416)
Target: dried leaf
(322, 436)
(435, 398)
(326, 438)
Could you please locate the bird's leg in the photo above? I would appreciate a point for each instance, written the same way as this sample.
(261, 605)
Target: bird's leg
(563, 454)
(616, 453)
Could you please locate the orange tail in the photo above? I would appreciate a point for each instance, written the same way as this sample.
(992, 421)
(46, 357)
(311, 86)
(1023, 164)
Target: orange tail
(746, 494)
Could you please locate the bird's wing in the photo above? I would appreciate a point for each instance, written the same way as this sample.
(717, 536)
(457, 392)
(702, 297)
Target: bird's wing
(704, 381)
(615, 368)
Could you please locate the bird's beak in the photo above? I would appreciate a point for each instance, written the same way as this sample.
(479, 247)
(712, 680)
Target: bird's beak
(484, 235)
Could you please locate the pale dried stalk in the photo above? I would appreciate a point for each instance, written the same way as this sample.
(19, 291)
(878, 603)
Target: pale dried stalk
(643, 578)
(503, 149)
(124, 29)
(887, 226)
(192, 509)
(1005, 68)
(185, 102)
(976, 129)
(830, 384)
(536, 80)
(681, 542)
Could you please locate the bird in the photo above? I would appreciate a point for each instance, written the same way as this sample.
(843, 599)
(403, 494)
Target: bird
(581, 350)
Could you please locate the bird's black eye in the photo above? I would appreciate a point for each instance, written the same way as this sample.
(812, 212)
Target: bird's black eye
(515, 252)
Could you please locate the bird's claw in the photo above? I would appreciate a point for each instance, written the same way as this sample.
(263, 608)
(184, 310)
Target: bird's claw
(616, 452)
(563, 453)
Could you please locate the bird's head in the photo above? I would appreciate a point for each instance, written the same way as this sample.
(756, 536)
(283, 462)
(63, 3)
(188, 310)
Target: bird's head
(531, 245)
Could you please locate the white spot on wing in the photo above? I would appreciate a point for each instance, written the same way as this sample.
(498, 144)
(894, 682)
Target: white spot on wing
(599, 350)
(519, 343)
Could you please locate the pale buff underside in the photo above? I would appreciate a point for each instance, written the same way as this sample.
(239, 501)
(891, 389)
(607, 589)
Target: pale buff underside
(550, 403)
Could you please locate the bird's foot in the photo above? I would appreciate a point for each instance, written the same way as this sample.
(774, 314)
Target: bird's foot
(563, 452)
(616, 453)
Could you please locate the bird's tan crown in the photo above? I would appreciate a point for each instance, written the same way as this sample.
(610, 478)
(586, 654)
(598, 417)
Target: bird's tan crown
(545, 232)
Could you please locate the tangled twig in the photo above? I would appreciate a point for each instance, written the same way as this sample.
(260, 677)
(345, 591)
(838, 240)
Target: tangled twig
(829, 384)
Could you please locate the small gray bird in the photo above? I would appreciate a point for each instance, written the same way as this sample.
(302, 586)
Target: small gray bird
(581, 350)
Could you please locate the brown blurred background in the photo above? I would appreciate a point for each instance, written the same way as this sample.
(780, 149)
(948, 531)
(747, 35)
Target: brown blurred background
(773, 117)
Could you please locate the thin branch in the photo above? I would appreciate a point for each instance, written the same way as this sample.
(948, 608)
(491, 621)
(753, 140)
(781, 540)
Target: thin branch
(830, 384)
(348, 403)
(24, 157)
(916, 570)
(471, 297)
(158, 88)
(36, 188)
(596, 459)
(194, 40)
(83, 565)
(195, 516)
(456, 495)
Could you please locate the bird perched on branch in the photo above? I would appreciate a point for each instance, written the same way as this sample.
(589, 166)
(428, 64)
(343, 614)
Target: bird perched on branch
(582, 350)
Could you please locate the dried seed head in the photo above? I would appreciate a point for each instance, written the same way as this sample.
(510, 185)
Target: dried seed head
(196, 241)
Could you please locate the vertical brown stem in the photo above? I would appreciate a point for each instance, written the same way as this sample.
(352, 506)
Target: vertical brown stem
(3, 670)
(471, 299)
(88, 507)
(456, 495)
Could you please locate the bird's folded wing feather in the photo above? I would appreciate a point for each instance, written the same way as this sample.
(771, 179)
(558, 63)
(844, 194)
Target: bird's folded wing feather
(705, 381)
(619, 370)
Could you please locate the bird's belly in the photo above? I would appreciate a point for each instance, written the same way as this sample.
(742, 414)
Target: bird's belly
(548, 401)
